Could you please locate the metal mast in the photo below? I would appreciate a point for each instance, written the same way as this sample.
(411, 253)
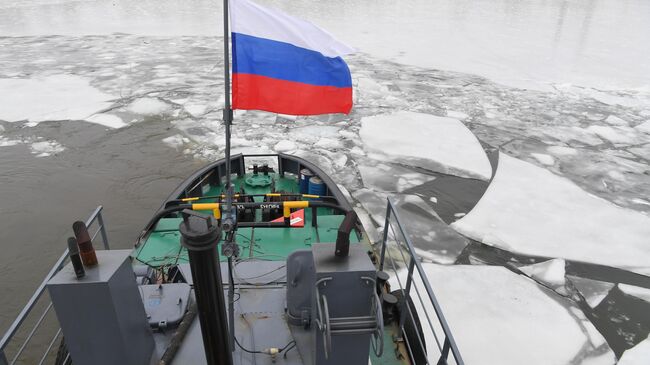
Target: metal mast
(227, 112)
(228, 223)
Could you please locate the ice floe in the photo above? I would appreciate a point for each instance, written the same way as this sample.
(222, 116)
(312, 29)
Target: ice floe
(637, 355)
(550, 272)
(594, 291)
(6, 142)
(148, 106)
(107, 120)
(493, 312)
(55, 97)
(46, 148)
(529, 210)
(635, 291)
(440, 143)
(390, 177)
(544, 159)
(176, 141)
(285, 146)
(615, 135)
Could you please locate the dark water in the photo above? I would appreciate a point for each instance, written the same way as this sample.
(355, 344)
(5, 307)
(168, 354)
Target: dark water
(128, 171)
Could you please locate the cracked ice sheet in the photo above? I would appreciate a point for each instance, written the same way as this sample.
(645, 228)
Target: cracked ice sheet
(524, 321)
(529, 210)
(440, 143)
(431, 237)
(390, 177)
(56, 97)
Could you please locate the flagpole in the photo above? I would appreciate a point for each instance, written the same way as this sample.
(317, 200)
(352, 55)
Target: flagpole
(229, 247)
(227, 112)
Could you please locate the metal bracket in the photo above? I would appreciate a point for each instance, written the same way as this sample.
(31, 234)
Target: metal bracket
(227, 115)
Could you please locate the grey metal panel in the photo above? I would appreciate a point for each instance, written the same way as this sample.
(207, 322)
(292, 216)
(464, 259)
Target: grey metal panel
(165, 304)
(260, 324)
(253, 272)
(102, 315)
(300, 285)
(348, 294)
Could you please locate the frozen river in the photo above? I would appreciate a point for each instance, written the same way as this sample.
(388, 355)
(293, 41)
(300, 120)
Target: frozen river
(114, 102)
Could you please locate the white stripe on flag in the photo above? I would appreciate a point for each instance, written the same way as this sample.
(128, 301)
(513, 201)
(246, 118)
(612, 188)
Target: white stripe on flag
(252, 19)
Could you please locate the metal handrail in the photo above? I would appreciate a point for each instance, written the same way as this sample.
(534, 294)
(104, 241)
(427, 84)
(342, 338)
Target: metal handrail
(413, 261)
(60, 263)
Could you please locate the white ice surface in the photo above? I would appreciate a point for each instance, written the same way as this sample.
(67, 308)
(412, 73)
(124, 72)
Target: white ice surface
(383, 177)
(635, 291)
(644, 127)
(46, 148)
(637, 355)
(529, 210)
(492, 311)
(444, 142)
(176, 141)
(148, 106)
(285, 146)
(56, 97)
(616, 135)
(594, 291)
(544, 158)
(531, 44)
(550, 272)
(108, 120)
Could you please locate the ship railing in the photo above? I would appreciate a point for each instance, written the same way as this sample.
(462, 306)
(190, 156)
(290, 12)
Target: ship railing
(10, 337)
(398, 255)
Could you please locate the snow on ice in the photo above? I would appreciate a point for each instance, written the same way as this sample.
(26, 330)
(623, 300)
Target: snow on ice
(55, 97)
(442, 144)
(529, 210)
(492, 311)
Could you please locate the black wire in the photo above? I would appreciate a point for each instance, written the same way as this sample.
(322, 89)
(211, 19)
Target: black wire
(247, 350)
(287, 345)
(289, 349)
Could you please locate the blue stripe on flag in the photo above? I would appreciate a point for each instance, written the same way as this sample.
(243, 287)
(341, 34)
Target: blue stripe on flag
(284, 61)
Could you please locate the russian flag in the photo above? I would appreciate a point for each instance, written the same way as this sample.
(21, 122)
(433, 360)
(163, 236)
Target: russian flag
(286, 65)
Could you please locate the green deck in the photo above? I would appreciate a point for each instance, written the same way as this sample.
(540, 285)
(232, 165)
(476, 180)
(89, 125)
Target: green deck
(162, 247)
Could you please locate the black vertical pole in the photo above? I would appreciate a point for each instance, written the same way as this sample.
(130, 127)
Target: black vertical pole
(227, 112)
(201, 235)
(227, 220)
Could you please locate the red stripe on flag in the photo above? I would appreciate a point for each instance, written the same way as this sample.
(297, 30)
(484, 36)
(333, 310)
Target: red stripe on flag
(254, 92)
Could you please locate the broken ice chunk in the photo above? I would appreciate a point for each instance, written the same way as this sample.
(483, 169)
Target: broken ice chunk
(56, 97)
(635, 291)
(550, 272)
(148, 106)
(492, 311)
(383, 177)
(594, 291)
(616, 135)
(529, 210)
(284, 146)
(544, 159)
(107, 120)
(441, 143)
